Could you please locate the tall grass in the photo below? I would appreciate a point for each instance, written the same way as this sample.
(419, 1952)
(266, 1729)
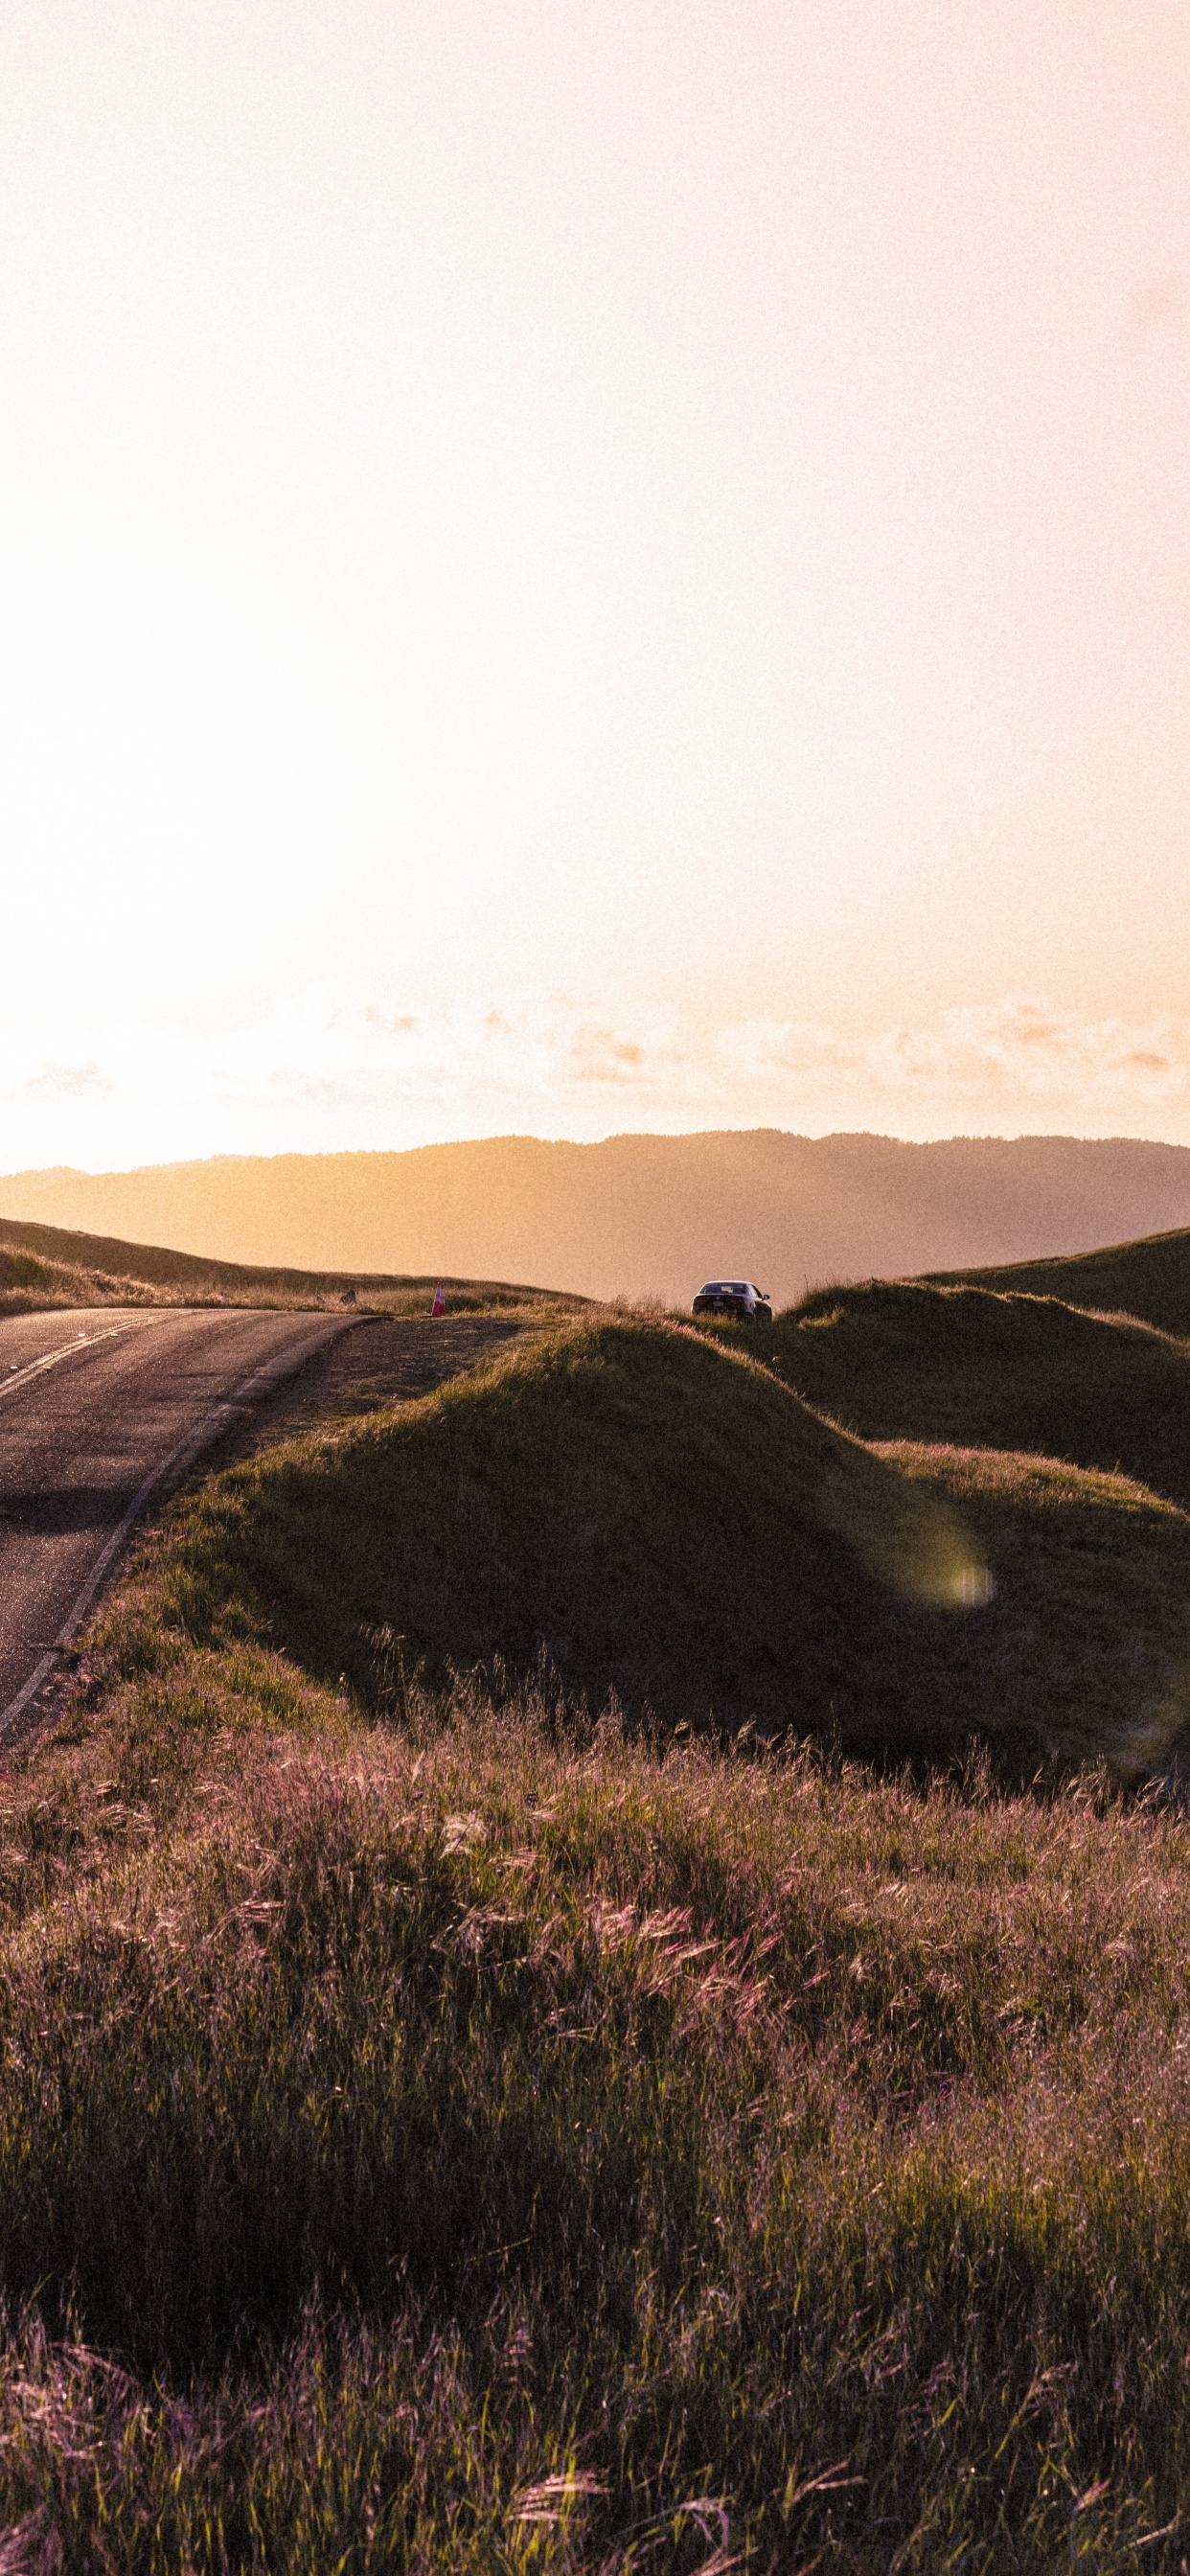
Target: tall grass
(489, 2142)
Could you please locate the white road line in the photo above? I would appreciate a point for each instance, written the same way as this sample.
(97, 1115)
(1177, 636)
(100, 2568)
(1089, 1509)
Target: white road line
(69, 1351)
(261, 1383)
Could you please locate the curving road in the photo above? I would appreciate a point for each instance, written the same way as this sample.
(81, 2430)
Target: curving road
(101, 1413)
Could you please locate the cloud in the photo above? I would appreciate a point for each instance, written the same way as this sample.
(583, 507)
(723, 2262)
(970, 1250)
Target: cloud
(1022, 1047)
(543, 1062)
(331, 1070)
(1018, 1050)
(65, 1081)
(598, 1056)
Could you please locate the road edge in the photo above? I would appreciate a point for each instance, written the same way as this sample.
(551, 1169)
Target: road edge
(156, 1487)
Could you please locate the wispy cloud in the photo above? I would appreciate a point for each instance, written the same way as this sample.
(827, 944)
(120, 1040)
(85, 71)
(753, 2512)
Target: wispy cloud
(1017, 1052)
(338, 1070)
(1025, 1050)
(65, 1082)
(599, 1055)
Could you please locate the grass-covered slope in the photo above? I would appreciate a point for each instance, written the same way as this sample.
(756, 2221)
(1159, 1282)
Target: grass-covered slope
(482, 2144)
(1086, 1647)
(47, 1265)
(665, 1521)
(446, 2134)
(897, 1360)
(657, 1519)
(1149, 1278)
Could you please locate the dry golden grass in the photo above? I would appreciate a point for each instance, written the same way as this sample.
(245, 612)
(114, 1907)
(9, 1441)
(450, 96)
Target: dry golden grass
(44, 1266)
(492, 2142)
(446, 2129)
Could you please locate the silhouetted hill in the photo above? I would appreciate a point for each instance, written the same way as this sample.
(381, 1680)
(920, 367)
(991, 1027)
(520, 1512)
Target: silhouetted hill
(639, 1214)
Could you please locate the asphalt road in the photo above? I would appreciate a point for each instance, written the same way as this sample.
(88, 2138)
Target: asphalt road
(101, 1413)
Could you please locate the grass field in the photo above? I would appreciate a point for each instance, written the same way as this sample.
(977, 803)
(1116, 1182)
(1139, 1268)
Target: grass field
(44, 1266)
(449, 2121)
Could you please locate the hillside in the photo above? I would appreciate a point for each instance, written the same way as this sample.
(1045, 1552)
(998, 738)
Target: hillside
(663, 1521)
(638, 1215)
(904, 1360)
(443, 2127)
(45, 1265)
(447, 2123)
(1150, 1279)
(477, 2145)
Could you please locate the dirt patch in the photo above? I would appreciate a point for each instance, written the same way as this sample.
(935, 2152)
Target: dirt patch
(382, 1361)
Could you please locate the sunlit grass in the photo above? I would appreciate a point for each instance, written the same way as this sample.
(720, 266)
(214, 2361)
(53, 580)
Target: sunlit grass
(1149, 1277)
(496, 2143)
(44, 1267)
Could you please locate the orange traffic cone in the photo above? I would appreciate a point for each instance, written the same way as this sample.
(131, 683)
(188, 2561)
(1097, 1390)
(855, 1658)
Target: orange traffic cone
(439, 1305)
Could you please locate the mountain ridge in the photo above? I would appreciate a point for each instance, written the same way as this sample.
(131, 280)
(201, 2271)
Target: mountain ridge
(640, 1214)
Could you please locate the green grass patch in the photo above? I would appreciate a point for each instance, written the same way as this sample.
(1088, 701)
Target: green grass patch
(621, 1503)
(1090, 1632)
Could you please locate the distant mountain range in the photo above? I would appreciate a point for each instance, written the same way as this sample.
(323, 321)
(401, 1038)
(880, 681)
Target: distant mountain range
(640, 1214)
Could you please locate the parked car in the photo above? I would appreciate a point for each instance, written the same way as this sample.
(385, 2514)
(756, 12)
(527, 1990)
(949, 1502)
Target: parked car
(734, 1297)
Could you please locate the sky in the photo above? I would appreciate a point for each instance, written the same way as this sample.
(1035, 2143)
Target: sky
(569, 567)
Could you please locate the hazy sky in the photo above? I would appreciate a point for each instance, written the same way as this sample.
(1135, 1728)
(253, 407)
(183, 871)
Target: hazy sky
(573, 567)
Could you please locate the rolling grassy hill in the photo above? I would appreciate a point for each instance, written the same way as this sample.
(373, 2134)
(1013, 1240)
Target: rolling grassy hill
(45, 1265)
(443, 2127)
(1149, 1278)
(475, 2091)
(904, 1360)
(665, 1522)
